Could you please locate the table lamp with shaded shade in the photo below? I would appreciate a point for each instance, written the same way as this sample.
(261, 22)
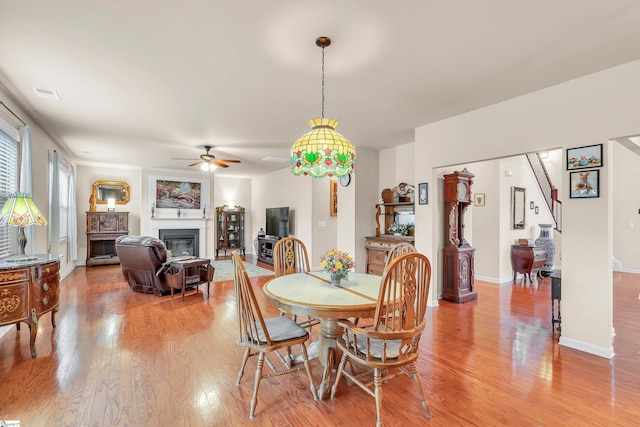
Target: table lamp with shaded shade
(20, 211)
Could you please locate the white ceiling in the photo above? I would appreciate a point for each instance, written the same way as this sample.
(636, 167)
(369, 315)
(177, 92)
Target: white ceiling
(143, 81)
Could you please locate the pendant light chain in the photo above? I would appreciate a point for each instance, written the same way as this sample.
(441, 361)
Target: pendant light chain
(322, 83)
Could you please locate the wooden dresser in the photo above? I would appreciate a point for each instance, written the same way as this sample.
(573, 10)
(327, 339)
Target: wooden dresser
(378, 247)
(27, 291)
(103, 228)
(527, 260)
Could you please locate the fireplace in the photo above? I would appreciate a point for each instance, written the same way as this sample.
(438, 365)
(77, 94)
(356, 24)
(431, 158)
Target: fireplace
(181, 241)
(170, 224)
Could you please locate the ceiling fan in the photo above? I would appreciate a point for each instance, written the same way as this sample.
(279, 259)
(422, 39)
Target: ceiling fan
(208, 160)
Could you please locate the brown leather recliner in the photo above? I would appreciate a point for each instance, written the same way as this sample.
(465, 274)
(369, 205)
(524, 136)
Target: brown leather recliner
(143, 260)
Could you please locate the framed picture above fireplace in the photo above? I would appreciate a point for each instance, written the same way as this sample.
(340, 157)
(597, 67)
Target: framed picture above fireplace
(169, 193)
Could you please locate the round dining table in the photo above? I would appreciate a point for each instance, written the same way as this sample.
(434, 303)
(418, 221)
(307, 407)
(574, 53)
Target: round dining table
(312, 294)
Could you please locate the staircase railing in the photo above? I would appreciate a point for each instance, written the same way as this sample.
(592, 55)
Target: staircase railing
(549, 192)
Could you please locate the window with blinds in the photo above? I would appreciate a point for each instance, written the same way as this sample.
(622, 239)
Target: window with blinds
(63, 194)
(9, 150)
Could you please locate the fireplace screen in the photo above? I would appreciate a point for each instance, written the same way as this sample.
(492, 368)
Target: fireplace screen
(181, 242)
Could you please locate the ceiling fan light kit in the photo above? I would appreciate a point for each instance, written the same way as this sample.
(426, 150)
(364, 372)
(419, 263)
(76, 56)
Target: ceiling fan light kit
(322, 151)
(209, 162)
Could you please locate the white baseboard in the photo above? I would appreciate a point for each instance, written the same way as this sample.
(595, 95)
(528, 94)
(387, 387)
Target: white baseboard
(628, 270)
(605, 352)
(493, 281)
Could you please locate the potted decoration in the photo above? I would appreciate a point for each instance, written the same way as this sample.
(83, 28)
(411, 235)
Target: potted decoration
(398, 229)
(337, 263)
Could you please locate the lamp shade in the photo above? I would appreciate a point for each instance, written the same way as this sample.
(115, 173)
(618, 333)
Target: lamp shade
(20, 211)
(322, 151)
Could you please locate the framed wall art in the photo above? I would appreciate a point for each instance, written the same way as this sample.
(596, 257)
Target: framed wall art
(168, 193)
(423, 193)
(334, 198)
(584, 157)
(478, 199)
(584, 184)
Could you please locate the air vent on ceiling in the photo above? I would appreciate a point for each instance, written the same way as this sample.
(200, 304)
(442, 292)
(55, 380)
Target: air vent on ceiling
(276, 159)
(47, 94)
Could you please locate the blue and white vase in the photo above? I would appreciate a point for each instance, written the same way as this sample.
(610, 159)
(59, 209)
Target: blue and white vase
(549, 244)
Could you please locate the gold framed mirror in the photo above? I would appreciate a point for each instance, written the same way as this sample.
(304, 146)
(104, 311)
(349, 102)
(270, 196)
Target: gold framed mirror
(104, 190)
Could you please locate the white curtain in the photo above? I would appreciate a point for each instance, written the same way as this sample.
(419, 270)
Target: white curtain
(54, 208)
(26, 180)
(72, 218)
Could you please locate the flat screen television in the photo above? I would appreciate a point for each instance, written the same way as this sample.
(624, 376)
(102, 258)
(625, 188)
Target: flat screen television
(278, 222)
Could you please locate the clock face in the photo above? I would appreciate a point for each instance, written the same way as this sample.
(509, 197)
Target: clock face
(462, 191)
(345, 180)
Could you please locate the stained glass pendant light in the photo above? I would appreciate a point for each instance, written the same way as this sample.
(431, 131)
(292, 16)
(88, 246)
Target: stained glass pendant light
(322, 151)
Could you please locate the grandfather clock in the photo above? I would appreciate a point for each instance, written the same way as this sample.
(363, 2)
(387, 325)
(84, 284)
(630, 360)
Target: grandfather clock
(458, 266)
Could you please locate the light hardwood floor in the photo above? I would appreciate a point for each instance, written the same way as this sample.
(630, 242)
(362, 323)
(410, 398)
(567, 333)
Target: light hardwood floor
(119, 358)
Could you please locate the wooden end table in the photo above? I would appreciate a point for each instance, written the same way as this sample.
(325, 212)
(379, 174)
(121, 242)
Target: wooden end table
(189, 272)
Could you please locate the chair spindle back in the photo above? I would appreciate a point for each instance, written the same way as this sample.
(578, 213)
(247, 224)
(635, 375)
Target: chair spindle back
(250, 317)
(290, 256)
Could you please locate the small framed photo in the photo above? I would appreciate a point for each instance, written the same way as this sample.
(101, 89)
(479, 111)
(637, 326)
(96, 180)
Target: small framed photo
(536, 211)
(478, 199)
(584, 184)
(423, 193)
(531, 205)
(584, 157)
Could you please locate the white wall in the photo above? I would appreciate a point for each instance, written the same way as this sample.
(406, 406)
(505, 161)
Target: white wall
(147, 201)
(626, 205)
(360, 198)
(85, 177)
(282, 188)
(237, 190)
(585, 111)
(42, 145)
(324, 226)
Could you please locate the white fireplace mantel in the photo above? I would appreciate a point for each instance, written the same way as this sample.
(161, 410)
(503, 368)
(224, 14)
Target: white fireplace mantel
(158, 224)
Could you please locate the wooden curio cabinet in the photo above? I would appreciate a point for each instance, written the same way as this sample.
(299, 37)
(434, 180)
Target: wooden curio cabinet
(458, 262)
(230, 229)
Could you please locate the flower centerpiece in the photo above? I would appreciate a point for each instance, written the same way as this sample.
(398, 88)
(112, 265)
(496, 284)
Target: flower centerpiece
(337, 263)
(399, 229)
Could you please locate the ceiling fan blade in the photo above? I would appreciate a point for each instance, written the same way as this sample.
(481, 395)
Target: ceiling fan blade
(196, 163)
(218, 163)
(228, 161)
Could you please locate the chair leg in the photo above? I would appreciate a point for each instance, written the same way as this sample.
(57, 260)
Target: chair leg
(305, 357)
(245, 357)
(377, 382)
(416, 379)
(343, 361)
(254, 399)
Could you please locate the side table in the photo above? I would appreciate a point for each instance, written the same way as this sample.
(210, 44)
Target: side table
(556, 295)
(527, 260)
(29, 289)
(189, 272)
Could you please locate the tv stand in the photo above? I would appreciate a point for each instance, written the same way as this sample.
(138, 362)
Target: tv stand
(265, 248)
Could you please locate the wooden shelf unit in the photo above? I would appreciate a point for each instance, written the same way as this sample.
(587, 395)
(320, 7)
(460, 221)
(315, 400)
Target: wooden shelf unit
(103, 228)
(265, 249)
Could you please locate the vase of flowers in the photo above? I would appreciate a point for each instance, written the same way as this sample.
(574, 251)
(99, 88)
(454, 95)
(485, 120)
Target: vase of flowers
(337, 263)
(398, 229)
